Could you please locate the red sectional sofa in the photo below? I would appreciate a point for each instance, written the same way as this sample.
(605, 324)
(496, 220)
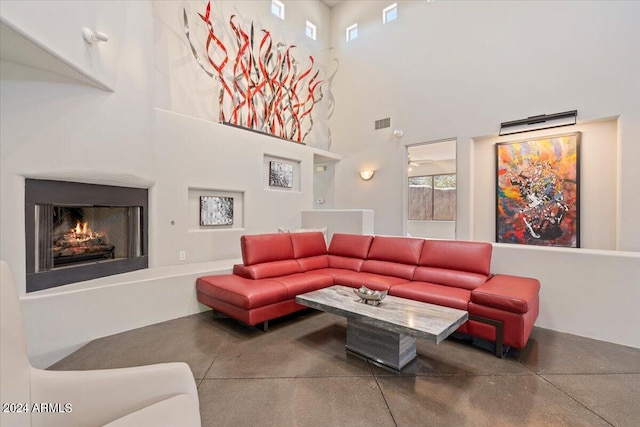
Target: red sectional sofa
(277, 267)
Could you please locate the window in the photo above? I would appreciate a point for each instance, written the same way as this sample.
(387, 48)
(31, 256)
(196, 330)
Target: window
(310, 30)
(390, 13)
(352, 32)
(432, 197)
(277, 8)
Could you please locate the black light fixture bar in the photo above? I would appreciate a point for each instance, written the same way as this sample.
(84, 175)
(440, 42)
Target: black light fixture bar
(542, 121)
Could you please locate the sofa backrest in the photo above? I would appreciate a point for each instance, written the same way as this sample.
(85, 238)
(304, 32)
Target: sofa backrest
(310, 250)
(268, 255)
(393, 256)
(454, 263)
(260, 248)
(348, 250)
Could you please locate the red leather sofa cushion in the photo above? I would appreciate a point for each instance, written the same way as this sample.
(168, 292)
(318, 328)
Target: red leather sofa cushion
(272, 269)
(300, 283)
(387, 268)
(241, 292)
(314, 262)
(402, 250)
(441, 276)
(350, 245)
(334, 272)
(474, 257)
(509, 293)
(377, 282)
(308, 244)
(336, 261)
(447, 296)
(261, 248)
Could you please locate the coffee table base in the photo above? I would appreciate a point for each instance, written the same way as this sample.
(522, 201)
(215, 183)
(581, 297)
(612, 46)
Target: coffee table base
(388, 349)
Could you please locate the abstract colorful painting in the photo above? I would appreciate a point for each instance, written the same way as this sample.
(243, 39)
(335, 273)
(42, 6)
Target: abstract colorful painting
(538, 191)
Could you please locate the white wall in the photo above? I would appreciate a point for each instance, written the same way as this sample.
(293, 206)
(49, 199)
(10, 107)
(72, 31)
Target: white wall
(457, 70)
(198, 154)
(586, 292)
(54, 128)
(59, 130)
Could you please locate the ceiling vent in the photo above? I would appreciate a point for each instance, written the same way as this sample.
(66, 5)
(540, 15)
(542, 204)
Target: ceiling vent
(383, 123)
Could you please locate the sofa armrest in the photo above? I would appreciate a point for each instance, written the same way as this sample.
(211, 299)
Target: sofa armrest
(510, 293)
(241, 270)
(101, 396)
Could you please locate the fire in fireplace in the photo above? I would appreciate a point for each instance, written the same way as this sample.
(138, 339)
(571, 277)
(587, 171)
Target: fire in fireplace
(79, 243)
(79, 231)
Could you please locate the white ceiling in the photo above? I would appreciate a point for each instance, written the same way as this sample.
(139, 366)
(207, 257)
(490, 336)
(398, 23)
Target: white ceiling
(331, 3)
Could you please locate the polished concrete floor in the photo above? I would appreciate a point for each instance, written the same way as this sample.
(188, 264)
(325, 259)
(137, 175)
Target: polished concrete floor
(298, 374)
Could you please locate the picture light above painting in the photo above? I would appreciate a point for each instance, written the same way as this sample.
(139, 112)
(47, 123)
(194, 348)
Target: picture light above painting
(542, 121)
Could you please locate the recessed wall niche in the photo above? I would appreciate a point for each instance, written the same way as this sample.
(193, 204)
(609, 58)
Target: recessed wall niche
(281, 174)
(194, 208)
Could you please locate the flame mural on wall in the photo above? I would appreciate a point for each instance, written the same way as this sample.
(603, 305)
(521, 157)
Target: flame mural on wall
(262, 86)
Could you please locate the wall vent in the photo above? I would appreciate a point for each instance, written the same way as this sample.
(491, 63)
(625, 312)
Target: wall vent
(383, 123)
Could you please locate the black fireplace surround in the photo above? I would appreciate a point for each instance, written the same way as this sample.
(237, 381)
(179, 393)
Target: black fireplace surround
(77, 231)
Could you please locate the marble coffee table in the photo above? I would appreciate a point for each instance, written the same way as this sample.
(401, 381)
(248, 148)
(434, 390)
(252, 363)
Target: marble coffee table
(386, 334)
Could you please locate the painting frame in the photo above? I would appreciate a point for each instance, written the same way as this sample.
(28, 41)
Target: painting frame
(538, 191)
(280, 174)
(216, 211)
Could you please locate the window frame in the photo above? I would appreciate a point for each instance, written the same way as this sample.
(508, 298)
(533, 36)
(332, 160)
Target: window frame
(280, 6)
(348, 32)
(310, 26)
(386, 11)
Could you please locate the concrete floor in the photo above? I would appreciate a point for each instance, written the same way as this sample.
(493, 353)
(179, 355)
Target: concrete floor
(298, 374)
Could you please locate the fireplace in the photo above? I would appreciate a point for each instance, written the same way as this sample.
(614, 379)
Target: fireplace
(77, 231)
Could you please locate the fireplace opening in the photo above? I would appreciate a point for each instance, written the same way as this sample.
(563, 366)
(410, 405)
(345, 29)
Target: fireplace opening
(79, 231)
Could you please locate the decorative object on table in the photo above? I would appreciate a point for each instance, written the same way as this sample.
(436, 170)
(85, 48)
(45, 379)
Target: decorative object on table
(280, 174)
(368, 296)
(538, 191)
(262, 86)
(216, 210)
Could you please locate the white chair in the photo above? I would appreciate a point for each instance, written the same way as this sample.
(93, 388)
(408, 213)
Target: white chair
(157, 395)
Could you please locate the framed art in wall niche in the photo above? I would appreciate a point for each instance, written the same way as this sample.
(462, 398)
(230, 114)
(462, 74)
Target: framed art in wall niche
(538, 191)
(280, 174)
(216, 210)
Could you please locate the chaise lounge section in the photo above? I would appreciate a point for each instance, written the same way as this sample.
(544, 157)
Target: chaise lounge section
(278, 267)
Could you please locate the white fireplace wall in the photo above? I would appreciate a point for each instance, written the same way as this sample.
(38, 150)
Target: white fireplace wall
(53, 128)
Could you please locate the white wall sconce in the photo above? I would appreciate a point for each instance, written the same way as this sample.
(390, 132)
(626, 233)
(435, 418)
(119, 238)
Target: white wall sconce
(366, 174)
(398, 133)
(92, 37)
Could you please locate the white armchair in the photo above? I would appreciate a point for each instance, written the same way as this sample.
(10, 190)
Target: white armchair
(155, 395)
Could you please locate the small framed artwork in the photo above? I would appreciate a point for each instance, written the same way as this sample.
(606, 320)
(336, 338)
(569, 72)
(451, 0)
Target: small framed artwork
(216, 210)
(538, 191)
(280, 174)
